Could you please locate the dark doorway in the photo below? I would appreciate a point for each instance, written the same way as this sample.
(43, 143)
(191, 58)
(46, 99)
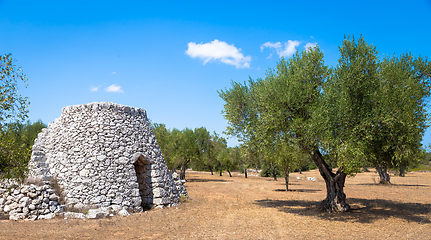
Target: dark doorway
(144, 181)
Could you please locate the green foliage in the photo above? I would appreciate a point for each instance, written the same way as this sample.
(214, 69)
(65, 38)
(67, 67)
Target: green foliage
(363, 112)
(188, 146)
(373, 112)
(422, 167)
(183, 198)
(240, 111)
(14, 156)
(266, 170)
(306, 164)
(12, 105)
(198, 147)
(16, 141)
(272, 117)
(427, 159)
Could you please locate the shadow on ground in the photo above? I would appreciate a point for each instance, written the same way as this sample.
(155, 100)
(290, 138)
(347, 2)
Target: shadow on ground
(363, 210)
(206, 180)
(284, 184)
(392, 185)
(297, 190)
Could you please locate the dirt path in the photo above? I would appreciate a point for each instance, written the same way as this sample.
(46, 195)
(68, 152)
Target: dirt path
(260, 208)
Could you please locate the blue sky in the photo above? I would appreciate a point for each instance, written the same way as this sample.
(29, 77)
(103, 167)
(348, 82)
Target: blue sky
(170, 58)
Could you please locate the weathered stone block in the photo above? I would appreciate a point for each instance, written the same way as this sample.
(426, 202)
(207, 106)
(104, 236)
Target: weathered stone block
(97, 213)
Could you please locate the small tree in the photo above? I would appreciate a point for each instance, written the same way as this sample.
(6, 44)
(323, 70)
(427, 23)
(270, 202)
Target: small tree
(289, 158)
(188, 150)
(208, 149)
(14, 151)
(224, 160)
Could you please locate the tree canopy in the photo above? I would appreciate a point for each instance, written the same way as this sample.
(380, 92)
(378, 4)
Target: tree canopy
(12, 105)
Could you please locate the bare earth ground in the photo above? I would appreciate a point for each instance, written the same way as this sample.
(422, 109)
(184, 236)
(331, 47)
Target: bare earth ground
(260, 208)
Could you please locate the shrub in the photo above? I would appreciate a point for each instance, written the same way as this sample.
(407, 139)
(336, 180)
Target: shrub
(59, 190)
(267, 170)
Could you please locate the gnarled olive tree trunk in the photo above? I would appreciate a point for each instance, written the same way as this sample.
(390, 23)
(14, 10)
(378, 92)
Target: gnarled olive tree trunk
(383, 173)
(335, 200)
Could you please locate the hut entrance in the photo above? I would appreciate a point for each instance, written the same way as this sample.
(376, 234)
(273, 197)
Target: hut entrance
(144, 181)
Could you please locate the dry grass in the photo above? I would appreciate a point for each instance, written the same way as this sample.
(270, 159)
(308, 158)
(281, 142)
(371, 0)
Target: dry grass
(260, 208)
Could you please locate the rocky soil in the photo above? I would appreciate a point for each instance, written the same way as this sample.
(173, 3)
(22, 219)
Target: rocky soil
(260, 208)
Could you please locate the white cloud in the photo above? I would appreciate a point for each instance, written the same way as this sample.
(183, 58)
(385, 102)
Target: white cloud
(310, 45)
(270, 55)
(288, 50)
(218, 51)
(114, 88)
(270, 45)
(94, 89)
(113, 73)
(289, 47)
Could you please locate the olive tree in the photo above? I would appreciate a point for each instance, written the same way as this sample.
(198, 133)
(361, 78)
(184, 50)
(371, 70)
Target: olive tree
(363, 111)
(373, 112)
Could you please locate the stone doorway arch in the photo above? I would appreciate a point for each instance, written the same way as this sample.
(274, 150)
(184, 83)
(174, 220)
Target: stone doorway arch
(142, 167)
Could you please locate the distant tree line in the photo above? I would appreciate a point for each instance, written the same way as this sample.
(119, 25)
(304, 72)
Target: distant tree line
(204, 151)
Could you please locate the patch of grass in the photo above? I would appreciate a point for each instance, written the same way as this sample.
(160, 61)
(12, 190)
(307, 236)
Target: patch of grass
(183, 198)
(422, 167)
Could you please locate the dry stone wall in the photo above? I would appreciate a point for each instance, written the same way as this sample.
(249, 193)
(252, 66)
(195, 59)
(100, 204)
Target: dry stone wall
(28, 201)
(104, 154)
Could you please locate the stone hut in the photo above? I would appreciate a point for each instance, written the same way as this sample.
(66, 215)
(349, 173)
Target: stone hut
(104, 154)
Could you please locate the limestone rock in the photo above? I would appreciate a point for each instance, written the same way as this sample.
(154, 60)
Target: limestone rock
(98, 213)
(123, 213)
(73, 215)
(46, 216)
(17, 216)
